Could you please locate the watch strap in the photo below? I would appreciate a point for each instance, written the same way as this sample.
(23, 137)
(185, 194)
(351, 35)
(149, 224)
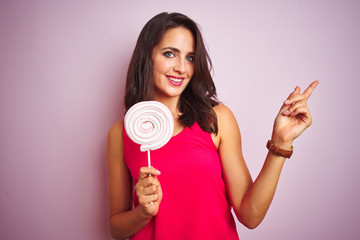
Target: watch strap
(277, 151)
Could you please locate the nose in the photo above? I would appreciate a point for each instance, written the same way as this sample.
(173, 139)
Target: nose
(180, 66)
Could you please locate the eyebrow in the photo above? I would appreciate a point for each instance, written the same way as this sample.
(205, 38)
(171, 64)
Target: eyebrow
(176, 50)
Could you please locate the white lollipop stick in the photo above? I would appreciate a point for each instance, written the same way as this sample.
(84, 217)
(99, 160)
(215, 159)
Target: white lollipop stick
(150, 124)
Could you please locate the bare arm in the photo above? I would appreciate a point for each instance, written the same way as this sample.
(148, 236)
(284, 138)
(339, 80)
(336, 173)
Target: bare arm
(125, 221)
(252, 200)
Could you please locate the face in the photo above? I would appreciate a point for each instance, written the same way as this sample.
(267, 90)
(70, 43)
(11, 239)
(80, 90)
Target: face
(173, 63)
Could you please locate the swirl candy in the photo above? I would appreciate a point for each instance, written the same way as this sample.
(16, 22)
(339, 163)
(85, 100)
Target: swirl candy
(150, 124)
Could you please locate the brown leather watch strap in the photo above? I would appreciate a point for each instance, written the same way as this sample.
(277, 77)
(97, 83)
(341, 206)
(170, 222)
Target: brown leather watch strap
(277, 151)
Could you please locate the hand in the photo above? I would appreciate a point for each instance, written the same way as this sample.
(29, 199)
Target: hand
(293, 118)
(148, 191)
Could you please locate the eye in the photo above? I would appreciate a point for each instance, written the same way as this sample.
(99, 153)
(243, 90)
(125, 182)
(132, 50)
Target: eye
(169, 54)
(190, 58)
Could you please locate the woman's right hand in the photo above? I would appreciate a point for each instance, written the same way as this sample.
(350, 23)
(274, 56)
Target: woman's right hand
(148, 191)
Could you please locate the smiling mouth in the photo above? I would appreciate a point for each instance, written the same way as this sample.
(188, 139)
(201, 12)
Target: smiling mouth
(174, 79)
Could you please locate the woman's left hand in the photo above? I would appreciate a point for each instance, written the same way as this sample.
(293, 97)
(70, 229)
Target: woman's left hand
(293, 118)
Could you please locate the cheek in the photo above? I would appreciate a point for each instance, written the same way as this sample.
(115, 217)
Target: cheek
(191, 70)
(159, 70)
(161, 66)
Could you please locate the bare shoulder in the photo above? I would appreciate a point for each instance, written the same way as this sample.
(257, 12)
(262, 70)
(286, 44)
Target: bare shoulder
(115, 130)
(226, 123)
(115, 141)
(225, 115)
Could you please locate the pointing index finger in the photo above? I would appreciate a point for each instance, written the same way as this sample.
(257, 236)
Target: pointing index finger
(310, 89)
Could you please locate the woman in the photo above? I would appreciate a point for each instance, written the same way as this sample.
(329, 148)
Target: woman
(203, 172)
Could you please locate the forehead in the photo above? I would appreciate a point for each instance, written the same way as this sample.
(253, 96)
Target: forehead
(179, 37)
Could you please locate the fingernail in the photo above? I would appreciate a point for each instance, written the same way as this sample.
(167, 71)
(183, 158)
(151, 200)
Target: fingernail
(158, 172)
(286, 112)
(286, 102)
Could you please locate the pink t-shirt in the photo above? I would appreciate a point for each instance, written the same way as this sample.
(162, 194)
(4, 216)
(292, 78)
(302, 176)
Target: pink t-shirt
(195, 204)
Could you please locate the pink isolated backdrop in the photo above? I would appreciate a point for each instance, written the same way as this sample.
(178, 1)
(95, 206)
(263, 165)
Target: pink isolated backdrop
(62, 71)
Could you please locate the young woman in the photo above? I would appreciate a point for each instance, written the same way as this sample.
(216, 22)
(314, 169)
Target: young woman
(203, 172)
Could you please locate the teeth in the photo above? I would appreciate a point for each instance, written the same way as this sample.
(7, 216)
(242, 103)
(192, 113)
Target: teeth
(175, 79)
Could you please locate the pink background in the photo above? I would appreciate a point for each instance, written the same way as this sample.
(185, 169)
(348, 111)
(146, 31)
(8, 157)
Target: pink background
(62, 69)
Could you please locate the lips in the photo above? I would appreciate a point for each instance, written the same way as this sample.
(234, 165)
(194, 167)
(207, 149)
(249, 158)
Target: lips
(176, 81)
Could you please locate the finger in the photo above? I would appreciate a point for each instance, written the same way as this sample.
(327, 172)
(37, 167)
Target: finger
(288, 103)
(149, 181)
(151, 190)
(304, 113)
(146, 182)
(310, 89)
(295, 98)
(295, 92)
(146, 171)
(299, 110)
(296, 105)
(147, 200)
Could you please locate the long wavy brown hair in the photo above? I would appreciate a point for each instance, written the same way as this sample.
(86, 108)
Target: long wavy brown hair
(197, 100)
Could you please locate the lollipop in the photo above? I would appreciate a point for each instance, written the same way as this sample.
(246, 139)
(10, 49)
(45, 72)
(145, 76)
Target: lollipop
(150, 124)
